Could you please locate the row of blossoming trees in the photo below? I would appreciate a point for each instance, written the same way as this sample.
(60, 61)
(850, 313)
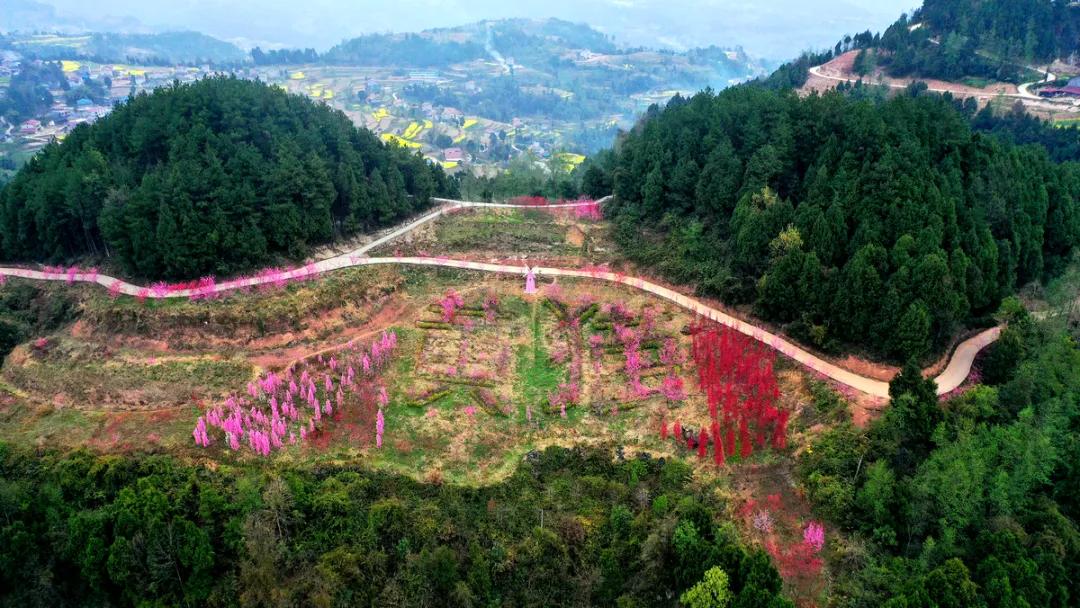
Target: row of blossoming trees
(611, 328)
(288, 408)
(209, 287)
(201, 289)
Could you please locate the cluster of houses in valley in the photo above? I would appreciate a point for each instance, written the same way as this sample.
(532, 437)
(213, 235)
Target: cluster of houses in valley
(372, 97)
(64, 116)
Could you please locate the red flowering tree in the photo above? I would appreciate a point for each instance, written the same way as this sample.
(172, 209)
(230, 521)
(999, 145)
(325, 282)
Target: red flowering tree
(736, 374)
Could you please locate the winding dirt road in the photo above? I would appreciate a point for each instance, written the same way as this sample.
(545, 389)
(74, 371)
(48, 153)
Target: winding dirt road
(955, 373)
(1023, 90)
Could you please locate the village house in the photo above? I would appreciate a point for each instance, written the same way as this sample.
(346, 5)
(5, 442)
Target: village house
(454, 155)
(1071, 89)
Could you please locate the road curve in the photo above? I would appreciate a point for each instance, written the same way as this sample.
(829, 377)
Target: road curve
(1023, 90)
(816, 71)
(955, 373)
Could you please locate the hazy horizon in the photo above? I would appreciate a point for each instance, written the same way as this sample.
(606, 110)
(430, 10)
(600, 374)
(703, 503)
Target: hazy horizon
(776, 31)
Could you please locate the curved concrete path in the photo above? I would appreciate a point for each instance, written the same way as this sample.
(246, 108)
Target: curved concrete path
(954, 375)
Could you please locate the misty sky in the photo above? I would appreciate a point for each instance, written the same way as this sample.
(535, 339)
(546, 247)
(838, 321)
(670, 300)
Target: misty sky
(776, 29)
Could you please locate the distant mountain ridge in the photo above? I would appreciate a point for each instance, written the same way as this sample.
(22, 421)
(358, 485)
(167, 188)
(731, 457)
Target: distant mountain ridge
(520, 39)
(32, 16)
(167, 47)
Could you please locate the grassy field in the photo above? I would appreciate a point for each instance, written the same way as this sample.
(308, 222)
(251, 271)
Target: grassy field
(486, 233)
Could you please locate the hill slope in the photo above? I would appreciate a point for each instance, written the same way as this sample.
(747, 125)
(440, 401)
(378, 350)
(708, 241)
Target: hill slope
(516, 38)
(885, 224)
(989, 39)
(213, 177)
(538, 51)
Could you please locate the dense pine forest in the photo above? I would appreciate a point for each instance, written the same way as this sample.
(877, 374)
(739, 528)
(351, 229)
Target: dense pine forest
(1028, 30)
(569, 528)
(994, 39)
(888, 224)
(215, 177)
(957, 40)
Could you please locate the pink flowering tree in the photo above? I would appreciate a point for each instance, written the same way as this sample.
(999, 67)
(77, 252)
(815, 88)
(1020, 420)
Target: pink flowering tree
(672, 388)
(380, 427)
(491, 308)
(814, 536)
(450, 304)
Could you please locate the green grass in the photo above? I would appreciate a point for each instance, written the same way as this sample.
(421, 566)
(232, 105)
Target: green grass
(978, 83)
(538, 376)
(484, 234)
(94, 383)
(283, 309)
(22, 423)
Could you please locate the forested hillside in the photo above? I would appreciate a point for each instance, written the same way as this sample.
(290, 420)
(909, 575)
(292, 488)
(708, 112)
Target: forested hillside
(534, 43)
(27, 94)
(218, 176)
(993, 39)
(569, 528)
(1029, 30)
(969, 503)
(887, 224)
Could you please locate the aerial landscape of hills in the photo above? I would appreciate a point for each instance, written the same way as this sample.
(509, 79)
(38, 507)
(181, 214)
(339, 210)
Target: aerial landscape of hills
(714, 305)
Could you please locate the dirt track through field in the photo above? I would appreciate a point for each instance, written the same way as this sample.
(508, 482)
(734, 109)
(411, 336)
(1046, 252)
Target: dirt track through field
(956, 372)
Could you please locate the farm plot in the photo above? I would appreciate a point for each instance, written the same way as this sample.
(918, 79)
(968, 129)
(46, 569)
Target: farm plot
(486, 233)
(488, 374)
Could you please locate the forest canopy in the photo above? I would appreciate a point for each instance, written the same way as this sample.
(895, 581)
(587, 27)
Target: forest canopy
(969, 503)
(1028, 30)
(886, 224)
(987, 39)
(568, 528)
(214, 177)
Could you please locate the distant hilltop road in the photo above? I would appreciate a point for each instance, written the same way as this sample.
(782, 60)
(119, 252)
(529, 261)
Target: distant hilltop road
(840, 70)
(956, 372)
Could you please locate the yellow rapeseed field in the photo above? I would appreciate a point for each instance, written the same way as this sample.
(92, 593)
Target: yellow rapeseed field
(413, 130)
(391, 138)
